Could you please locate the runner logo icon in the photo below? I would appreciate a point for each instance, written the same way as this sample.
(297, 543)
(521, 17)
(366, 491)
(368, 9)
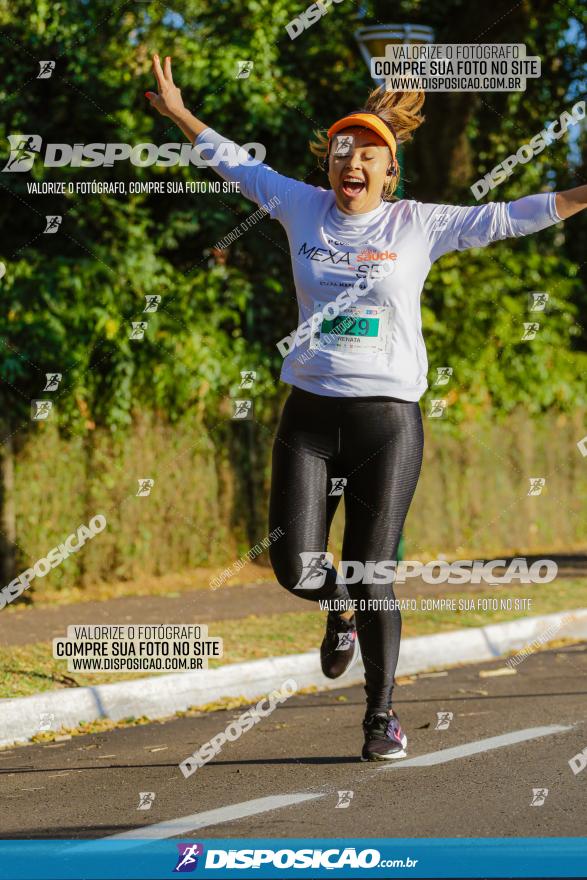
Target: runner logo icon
(244, 69)
(444, 719)
(138, 329)
(53, 222)
(531, 328)
(538, 796)
(437, 409)
(46, 68)
(338, 484)
(538, 301)
(315, 566)
(40, 409)
(145, 486)
(443, 375)
(343, 145)
(187, 859)
(243, 409)
(46, 720)
(53, 380)
(537, 484)
(146, 800)
(23, 151)
(152, 302)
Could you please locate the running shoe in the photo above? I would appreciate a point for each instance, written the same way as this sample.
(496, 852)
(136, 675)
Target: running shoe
(384, 738)
(339, 646)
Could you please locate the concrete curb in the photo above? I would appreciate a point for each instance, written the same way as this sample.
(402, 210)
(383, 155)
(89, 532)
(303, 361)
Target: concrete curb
(163, 695)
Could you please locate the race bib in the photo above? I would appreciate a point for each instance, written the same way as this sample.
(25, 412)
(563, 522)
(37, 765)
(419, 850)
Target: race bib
(359, 329)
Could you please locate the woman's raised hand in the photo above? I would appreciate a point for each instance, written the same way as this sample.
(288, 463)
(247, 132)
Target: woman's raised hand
(168, 100)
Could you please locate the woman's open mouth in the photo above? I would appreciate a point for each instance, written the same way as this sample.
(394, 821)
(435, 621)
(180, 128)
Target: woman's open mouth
(352, 186)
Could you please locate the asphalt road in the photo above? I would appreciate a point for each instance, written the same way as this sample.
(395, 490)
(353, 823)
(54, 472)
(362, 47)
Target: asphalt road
(282, 777)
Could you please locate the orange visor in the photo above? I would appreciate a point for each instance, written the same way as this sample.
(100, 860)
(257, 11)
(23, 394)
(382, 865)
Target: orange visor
(365, 120)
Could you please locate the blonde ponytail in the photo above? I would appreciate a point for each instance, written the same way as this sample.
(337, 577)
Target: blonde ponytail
(401, 110)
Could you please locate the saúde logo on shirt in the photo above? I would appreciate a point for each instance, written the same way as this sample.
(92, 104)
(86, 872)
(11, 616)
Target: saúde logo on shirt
(367, 255)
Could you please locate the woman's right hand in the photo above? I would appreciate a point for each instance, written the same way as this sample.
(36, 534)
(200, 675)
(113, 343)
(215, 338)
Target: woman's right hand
(168, 101)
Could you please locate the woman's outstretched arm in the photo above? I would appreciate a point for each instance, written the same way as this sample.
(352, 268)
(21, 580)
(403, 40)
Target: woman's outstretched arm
(277, 195)
(571, 201)
(450, 227)
(168, 101)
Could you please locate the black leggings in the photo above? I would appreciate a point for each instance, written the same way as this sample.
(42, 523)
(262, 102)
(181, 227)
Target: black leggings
(376, 444)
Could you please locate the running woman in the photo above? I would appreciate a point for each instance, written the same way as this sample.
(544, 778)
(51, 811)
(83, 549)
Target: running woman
(357, 365)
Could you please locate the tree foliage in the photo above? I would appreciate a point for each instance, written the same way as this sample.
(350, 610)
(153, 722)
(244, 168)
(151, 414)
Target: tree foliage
(69, 299)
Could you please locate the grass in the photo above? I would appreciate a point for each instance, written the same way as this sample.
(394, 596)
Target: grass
(155, 585)
(30, 669)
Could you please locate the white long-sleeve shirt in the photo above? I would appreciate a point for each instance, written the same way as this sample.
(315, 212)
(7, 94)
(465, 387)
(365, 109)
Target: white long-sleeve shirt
(375, 346)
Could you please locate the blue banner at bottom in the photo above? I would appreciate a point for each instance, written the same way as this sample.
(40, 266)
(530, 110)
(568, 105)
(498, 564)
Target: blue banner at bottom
(300, 857)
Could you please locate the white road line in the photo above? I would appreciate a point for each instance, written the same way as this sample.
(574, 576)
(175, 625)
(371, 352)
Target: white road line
(474, 748)
(187, 824)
